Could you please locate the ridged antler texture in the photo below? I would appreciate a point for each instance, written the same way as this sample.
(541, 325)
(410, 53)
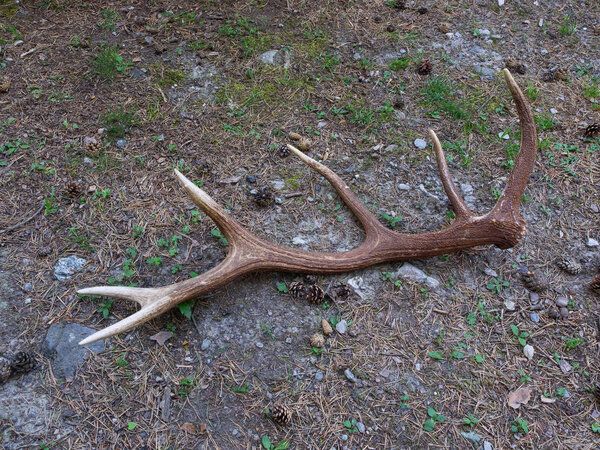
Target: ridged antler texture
(502, 226)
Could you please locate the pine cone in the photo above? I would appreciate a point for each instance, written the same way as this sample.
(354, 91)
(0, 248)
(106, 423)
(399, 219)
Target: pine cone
(283, 151)
(516, 66)
(595, 284)
(263, 196)
(343, 291)
(549, 76)
(424, 68)
(5, 369)
(73, 189)
(317, 340)
(592, 130)
(4, 85)
(296, 289)
(315, 294)
(569, 266)
(534, 282)
(92, 146)
(22, 362)
(562, 74)
(281, 414)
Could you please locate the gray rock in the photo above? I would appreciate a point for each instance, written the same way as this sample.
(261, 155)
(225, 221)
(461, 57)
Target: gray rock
(121, 143)
(535, 317)
(206, 343)
(24, 405)
(61, 345)
(412, 273)
(276, 58)
(341, 327)
(592, 242)
(278, 185)
(88, 161)
(319, 376)
(485, 71)
(467, 189)
(148, 40)
(404, 187)
(472, 437)
(344, 437)
(487, 445)
(562, 301)
(534, 297)
(420, 144)
(260, 344)
(138, 74)
(251, 179)
(350, 375)
(361, 427)
(66, 267)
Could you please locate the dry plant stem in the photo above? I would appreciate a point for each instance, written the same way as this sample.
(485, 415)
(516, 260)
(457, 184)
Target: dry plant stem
(502, 226)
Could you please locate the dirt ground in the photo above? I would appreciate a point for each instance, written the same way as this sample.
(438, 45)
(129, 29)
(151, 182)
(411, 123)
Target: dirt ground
(422, 363)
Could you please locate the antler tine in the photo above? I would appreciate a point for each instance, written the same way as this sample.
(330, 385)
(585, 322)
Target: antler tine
(362, 213)
(458, 204)
(143, 296)
(510, 199)
(227, 224)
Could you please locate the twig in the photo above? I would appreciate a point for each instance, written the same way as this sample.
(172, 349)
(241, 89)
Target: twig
(23, 222)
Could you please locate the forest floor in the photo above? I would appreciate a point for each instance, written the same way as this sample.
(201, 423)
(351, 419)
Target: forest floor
(214, 89)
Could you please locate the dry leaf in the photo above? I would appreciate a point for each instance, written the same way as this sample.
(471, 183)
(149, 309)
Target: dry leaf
(189, 428)
(547, 399)
(565, 366)
(202, 428)
(161, 337)
(519, 397)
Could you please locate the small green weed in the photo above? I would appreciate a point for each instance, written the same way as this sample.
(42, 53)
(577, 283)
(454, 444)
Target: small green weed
(109, 20)
(470, 420)
(399, 64)
(496, 285)
(573, 343)
(108, 64)
(434, 417)
(268, 445)
(568, 26)
(520, 335)
(117, 123)
(350, 425)
(531, 91)
(50, 207)
(105, 307)
(520, 426)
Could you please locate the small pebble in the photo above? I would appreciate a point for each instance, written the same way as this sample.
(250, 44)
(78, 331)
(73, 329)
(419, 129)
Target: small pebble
(404, 187)
(350, 375)
(251, 179)
(319, 376)
(260, 344)
(205, 344)
(342, 326)
(344, 437)
(487, 445)
(420, 144)
(535, 317)
(361, 427)
(121, 143)
(564, 312)
(534, 297)
(553, 111)
(592, 243)
(562, 301)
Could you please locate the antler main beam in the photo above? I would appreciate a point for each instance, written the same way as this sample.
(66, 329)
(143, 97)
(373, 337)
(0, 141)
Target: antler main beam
(502, 226)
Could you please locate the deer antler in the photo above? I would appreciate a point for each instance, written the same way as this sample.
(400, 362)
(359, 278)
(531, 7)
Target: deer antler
(502, 226)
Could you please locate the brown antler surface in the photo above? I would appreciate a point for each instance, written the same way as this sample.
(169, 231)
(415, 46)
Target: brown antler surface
(502, 226)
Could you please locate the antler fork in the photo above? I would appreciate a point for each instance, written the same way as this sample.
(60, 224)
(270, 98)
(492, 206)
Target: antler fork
(502, 226)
